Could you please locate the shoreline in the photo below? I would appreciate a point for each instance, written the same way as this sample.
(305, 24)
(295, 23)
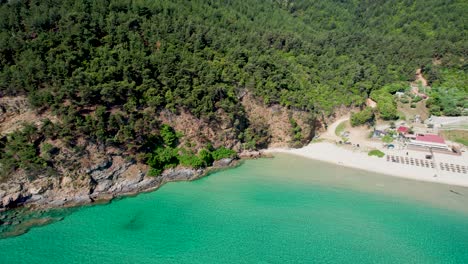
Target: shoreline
(331, 153)
(19, 220)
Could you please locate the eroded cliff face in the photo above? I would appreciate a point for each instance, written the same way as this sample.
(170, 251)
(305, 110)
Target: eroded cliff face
(15, 111)
(277, 120)
(88, 171)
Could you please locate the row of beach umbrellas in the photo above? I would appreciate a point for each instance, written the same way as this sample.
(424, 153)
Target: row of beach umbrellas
(411, 161)
(453, 167)
(428, 164)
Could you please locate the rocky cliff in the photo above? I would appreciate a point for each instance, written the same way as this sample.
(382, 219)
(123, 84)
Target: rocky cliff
(89, 172)
(110, 177)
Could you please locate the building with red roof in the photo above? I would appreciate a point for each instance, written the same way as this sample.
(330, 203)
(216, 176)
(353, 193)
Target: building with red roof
(430, 138)
(403, 130)
(429, 141)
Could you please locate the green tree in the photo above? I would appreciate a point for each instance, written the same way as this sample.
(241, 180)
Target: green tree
(365, 116)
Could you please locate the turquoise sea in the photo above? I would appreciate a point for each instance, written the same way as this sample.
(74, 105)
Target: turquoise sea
(281, 210)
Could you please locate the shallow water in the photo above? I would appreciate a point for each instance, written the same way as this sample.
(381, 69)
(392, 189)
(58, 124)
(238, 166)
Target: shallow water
(282, 210)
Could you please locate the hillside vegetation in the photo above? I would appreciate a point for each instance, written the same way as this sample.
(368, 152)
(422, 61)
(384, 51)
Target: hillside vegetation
(108, 68)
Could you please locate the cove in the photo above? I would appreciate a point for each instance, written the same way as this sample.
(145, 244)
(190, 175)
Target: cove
(281, 210)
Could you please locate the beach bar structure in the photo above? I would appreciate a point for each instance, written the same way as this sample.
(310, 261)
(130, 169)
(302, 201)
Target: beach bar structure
(428, 141)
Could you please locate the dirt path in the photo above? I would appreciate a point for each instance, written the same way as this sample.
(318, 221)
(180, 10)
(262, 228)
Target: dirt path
(419, 79)
(358, 135)
(330, 133)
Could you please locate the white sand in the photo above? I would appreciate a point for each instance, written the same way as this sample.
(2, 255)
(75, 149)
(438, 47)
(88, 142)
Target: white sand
(332, 153)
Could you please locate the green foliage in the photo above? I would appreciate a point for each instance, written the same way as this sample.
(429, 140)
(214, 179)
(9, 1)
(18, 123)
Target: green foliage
(169, 136)
(206, 157)
(256, 136)
(395, 87)
(416, 99)
(404, 100)
(163, 158)
(189, 159)
(365, 116)
(166, 154)
(387, 139)
(296, 132)
(117, 53)
(449, 94)
(222, 153)
(107, 68)
(386, 104)
(376, 153)
(21, 150)
(340, 128)
(401, 116)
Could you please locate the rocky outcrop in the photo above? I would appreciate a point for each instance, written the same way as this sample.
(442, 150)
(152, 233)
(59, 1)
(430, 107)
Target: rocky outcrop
(110, 178)
(223, 162)
(250, 154)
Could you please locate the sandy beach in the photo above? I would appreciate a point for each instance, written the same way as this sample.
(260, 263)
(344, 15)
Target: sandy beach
(332, 153)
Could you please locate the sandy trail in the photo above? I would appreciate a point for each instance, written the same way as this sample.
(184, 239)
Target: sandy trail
(330, 133)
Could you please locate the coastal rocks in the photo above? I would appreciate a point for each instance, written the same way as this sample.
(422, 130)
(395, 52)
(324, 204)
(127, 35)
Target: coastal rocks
(181, 174)
(250, 154)
(2, 194)
(66, 181)
(111, 177)
(223, 162)
(38, 186)
(12, 200)
(115, 167)
(10, 195)
(128, 180)
(117, 176)
(99, 171)
(102, 186)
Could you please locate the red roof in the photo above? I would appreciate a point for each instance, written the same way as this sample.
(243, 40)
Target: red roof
(403, 129)
(430, 138)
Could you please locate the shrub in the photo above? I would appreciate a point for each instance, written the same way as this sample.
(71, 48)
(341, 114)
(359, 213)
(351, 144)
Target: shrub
(191, 160)
(385, 103)
(363, 117)
(223, 153)
(404, 100)
(296, 132)
(340, 128)
(168, 135)
(162, 158)
(387, 139)
(206, 157)
(417, 99)
(376, 153)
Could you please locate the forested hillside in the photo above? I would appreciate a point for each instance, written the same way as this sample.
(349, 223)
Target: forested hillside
(107, 68)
